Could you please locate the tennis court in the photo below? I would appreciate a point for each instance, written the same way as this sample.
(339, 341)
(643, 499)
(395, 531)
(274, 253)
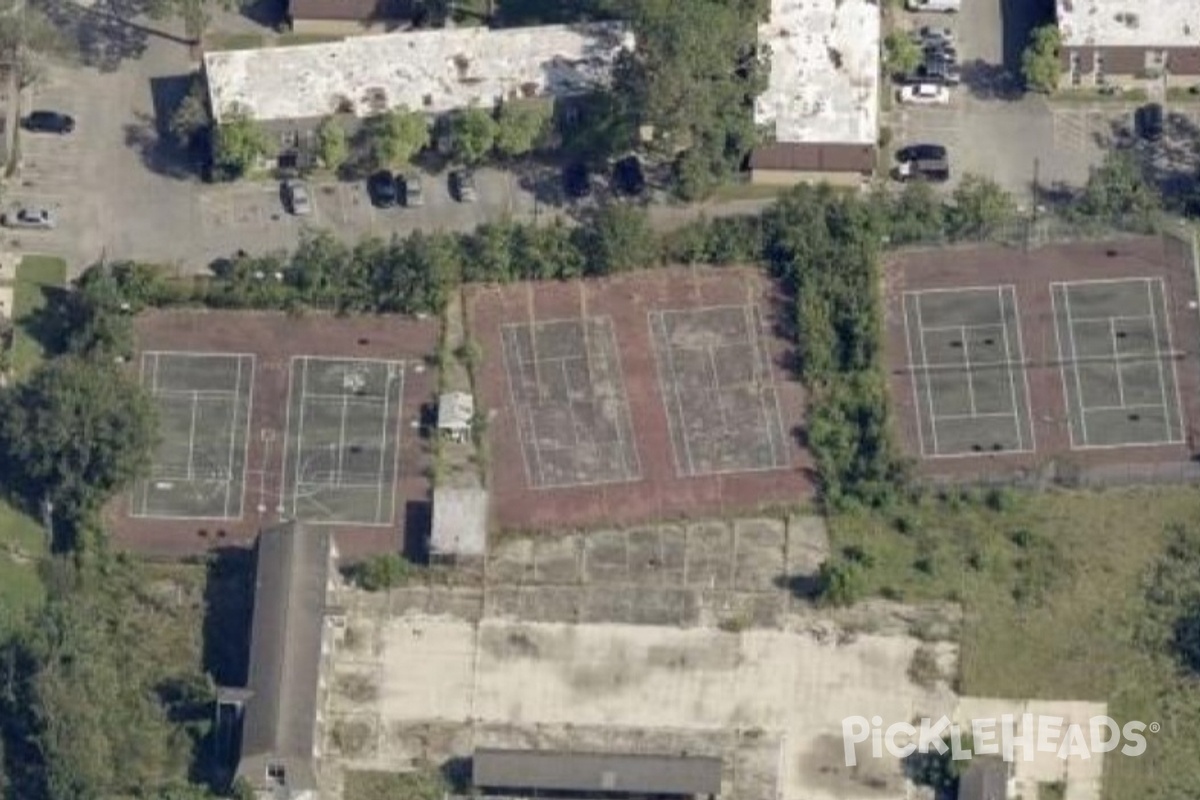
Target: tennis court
(1118, 363)
(568, 396)
(341, 448)
(718, 390)
(204, 404)
(969, 380)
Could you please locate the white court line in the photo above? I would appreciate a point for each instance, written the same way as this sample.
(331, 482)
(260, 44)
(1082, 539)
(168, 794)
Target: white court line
(913, 374)
(287, 435)
(237, 387)
(299, 434)
(206, 394)
(1062, 363)
(1134, 407)
(383, 452)
(341, 444)
(1118, 318)
(1075, 366)
(664, 361)
(1024, 370)
(356, 487)
(1116, 355)
(966, 347)
(928, 383)
(246, 444)
(953, 289)
(1012, 382)
(397, 432)
(784, 459)
(1162, 376)
(634, 470)
(353, 399)
(191, 469)
(1175, 371)
(517, 408)
(983, 415)
(1162, 290)
(962, 328)
(763, 382)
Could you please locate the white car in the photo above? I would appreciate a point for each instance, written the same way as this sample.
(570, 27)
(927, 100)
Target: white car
(942, 6)
(27, 217)
(925, 94)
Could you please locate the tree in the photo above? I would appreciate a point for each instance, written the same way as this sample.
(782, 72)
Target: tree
(903, 55)
(27, 35)
(618, 239)
(397, 136)
(240, 143)
(1039, 63)
(75, 433)
(521, 126)
(332, 148)
(693, 79)
(191, 115)
(980, 208)
(840, 584)
(474, 133)
(1117, 191)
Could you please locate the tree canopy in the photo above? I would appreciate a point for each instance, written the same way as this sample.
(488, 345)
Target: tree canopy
(76, 432)
(474, 134)
(1039, 61)
(521, 127)
(332, 145)
(397, 136)
(240, 143)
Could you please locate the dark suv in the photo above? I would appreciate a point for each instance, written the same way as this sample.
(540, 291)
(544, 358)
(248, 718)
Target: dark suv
(382, 189)
(48, 122)
(920, 152)
(1148, 120)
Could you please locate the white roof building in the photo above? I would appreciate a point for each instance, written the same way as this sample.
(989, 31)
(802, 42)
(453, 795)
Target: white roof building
(455, 410)
(824, 82)
(1129, 23)
(434, 71)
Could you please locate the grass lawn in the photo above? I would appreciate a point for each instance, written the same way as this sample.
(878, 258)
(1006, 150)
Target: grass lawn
(34, 275)
(363, 785)
(22, 544)
(1052, 587)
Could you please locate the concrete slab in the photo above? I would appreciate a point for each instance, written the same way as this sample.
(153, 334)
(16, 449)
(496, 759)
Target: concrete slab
(791, 687)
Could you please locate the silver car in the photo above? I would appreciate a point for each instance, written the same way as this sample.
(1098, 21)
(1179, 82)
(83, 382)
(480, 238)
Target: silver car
(26, 217)
(296, 198)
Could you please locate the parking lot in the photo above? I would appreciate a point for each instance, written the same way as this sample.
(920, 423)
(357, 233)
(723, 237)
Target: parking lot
(990, 128)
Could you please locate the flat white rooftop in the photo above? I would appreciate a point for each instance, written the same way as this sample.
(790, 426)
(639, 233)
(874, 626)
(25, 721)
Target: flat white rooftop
(824, 83)
(434, 71)
(1129, 23)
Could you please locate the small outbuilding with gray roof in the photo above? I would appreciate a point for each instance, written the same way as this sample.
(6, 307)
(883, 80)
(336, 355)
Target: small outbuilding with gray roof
(548, 772)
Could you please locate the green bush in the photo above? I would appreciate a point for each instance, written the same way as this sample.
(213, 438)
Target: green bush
(379, 573)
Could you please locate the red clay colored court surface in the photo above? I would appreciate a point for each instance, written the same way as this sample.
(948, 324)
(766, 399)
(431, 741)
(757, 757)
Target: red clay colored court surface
(1085, 354)
(649, 395)
(266, 416)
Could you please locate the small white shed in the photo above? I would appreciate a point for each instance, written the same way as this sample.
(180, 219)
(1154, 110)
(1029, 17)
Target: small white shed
(455, 412)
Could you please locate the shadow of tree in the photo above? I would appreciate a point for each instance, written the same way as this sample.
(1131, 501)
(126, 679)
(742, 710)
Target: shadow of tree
(991, 81)
(105, 34)
(1171, 163)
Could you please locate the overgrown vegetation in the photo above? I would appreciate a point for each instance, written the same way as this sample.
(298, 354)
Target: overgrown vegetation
(382, 572)
(1039, 63)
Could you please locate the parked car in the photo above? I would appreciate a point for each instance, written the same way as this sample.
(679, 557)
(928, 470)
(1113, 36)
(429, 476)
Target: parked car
(1148, 122)
(577, 180)
(920, 152)
(48, 122)
(25, 217)
(296, 197)
(462, 186)
(414, 192)
(943, 6)
(940, 52)
(382, 189)
(925, 94)
(936, 170)
(628, 176)
(931, 35)
(939, 72)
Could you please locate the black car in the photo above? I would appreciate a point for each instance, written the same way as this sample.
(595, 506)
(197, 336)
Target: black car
(577, 180)
(462, 186)
(921, 152)
(628, 176)
(383, 190)
(1148, 121)
(48, 122)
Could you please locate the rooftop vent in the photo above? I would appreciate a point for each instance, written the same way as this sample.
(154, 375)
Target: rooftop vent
(1128, 19)
(463, 65)
(375, 99)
